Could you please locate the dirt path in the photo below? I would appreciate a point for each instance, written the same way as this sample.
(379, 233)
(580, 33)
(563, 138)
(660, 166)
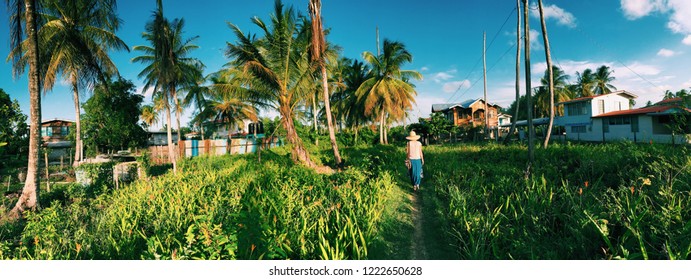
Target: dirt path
(418, 249)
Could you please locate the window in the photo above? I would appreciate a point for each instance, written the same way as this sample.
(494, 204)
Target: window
(577, 109)
(605, 126)
(621, 120)
(578, 129)
(634, 124)
(64, 130)
(601, 106)
(47, 131)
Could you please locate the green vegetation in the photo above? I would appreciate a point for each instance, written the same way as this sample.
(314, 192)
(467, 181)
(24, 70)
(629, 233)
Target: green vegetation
(477, 202)
(216, 208)
(613, 201)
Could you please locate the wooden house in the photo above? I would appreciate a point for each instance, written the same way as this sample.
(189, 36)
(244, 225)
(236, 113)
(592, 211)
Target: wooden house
(470, 112)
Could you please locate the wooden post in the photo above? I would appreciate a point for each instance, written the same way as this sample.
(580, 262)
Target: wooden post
(484, 77)
(9, 182)
(47, 173)
(62, 159)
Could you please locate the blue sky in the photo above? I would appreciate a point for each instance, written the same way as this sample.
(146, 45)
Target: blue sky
(646, 42)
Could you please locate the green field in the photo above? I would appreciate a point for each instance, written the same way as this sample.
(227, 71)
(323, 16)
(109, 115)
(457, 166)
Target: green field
(477, 201)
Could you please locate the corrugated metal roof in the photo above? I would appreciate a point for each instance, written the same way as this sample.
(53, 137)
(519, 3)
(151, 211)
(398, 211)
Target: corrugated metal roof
(464, 104)
(621, 92)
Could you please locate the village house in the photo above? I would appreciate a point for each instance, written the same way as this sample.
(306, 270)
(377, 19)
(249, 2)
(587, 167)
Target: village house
(470, 112)
(54, 136)
(611, 117)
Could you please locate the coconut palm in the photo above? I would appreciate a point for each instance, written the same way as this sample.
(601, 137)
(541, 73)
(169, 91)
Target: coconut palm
(167, 65)
(603, 79)
(561, 91)
(585, 83)
(318, 47)
(275, 69)
(232, 112)
(76, 37)
(149, 115)
(25, 12)
(387, 91)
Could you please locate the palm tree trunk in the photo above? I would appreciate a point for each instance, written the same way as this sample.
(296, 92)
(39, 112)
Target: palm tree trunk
(531, 129)
(78, 124)
(299, 154)
(381, 129)
(550, 73)
(518, 72)
(314, 119)
(29, 197)
(171, 150)
(329, 121)
(177, 112)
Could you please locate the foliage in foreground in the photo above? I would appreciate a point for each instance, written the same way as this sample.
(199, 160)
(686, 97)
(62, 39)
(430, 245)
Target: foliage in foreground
(612, 201)
(218, 208)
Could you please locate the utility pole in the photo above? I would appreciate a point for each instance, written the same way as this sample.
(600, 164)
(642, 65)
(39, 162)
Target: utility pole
(484, 77)
(531, 129)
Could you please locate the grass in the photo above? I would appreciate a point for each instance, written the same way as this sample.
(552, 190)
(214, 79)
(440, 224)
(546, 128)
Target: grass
(478, 201)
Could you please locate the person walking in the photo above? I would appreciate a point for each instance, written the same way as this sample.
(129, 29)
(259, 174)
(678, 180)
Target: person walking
(415, 159)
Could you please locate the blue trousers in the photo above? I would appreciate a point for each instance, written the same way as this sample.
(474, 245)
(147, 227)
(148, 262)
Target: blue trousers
(415, 171)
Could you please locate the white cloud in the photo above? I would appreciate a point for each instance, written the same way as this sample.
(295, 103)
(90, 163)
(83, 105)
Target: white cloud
(634, 9)
(554, 12)
(423, 106)
(679, 12)
(149, 92)
(441, 76)
(687, 40)
(451, 87)
(424, 69)
(666, 53)
(680, 20)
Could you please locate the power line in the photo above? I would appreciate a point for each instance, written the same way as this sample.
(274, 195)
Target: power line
(489, 69)
(480, 58)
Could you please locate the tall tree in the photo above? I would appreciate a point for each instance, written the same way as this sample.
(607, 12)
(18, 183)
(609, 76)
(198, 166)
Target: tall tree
(387, 91)
(274, 72)
(167, 65)
(550, 75)
(25, 11)
(111, 117)
(603, 79)
(76, 37)
(317, 47)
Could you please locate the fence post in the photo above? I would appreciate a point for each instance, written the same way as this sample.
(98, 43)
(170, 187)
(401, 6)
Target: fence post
(47, 172)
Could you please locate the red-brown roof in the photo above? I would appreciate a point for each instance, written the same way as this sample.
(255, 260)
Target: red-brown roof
(591, 97)
(639, 111)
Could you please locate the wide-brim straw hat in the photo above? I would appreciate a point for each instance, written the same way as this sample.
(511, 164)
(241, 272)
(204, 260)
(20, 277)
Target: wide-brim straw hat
(413, 136)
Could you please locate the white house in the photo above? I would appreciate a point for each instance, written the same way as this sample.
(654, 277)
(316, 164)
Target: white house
(578, 114)
(611, 117)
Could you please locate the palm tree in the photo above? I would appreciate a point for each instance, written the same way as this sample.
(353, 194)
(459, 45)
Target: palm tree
(30, 53)
(603, 78)
(388, 91)
(317, 49)
(167, 65)
(561, 91)
(351, 107)
(77, 36)
(275, 72)
(232, 112)
(585, 83)
(549, 75)
(149, 115)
